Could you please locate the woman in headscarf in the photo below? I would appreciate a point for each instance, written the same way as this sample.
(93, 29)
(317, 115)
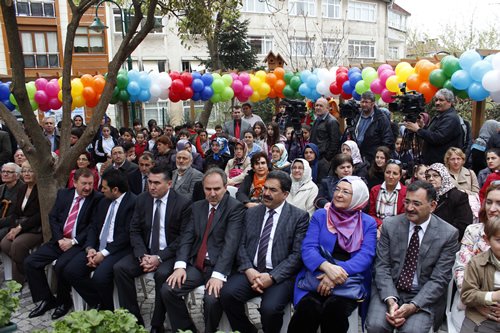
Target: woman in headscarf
(348, 235)
(342, 166)
(311, 155)
(279, 158)
(186, 145)
(238, 167)
(453, 204)
(218, 154)
(303, 191)
(360, 167)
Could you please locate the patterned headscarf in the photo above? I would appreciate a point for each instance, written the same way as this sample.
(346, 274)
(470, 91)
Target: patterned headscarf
(222, 142)
(306, 176)
(355, 154)
(242, 160)
(283, 161)
(446, 183)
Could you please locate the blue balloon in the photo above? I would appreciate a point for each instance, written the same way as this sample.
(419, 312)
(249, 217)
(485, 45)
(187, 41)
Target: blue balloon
(207, 79)
(207, 92)
(133, 88)
(144, 82)
(304, 89)
(4, 91)
(8, 104)
(461, 79)
(347, 88)
(304, 75)
(196, 96)
(133, 75)
(196, 75)
(312, 81)
(197, 85)
(144, 95)
(469, 58)
(352, 71)
(315, 71)
(356, 96)
(133, 98)
(479, 69)
(490, 58)
(354, 78)
(315, 94)
(477, 92)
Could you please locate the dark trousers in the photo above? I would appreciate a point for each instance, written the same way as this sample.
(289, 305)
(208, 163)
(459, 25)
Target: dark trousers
(176, 307)
(18, 250)
(238, 290)
(125, 272)
(99, 288)
(331, 312)
(35, 264)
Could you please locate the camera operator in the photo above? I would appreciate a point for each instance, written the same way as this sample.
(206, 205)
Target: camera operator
(325, 132)
(282, 116)
(443, 132)
(373, 129)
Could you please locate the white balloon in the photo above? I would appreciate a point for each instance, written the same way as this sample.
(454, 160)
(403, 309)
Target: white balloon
(164, 94)
(321, 73)
(153, 99)
(164, 80)
(334, 70)
(330, 78)
(155, 90)
(491, 81)
(155, 76)
(495, 96)
(496, 61)
(323, 89)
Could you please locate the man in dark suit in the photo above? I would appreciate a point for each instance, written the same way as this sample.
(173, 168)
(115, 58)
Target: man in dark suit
(185, 176)
(415, 255)
(69, 220)
(107, 242)
(268, 258)
(236, 128)
(159, 218)
(138, 179)
(206, 253)
(120, 162)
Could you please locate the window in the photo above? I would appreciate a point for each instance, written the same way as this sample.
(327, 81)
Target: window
(35, 8)
(186, 66)
(198, 108)
(362, 11)
(88, 41)
(157, 111)
(331, 8)
(301, 47)
(262, 44)
(119, 24)
(40, 49)
(393, 53)
(256, 6)
(397, 20)
(331, 48)
(361, 49)
(302, 7)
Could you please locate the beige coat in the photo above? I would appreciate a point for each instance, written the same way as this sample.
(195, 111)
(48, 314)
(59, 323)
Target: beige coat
(245, 167)
(467, 181)
(304, 198)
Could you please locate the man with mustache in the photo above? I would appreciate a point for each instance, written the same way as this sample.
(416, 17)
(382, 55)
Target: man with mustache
(206, 254)
(185, 176)
(268, 258)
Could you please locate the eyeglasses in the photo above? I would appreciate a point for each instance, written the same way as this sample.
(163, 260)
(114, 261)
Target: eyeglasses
(344, 192)
(432, 175)
(8, 172)
(297, 168)
(393, 161)
(28, 171)
(414, 203)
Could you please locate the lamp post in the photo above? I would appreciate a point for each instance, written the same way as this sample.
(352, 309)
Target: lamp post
(98, 26)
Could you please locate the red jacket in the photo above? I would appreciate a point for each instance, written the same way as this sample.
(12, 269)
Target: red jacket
(140, 149)
(373, 201)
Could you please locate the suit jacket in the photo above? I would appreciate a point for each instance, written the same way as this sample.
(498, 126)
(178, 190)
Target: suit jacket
(176, 218)
(224, 234)
(125, 168)
(33, 223)
(435, 261)
(290, 231)
(6, 221)
(229, 129)
(135, 181)
(185, 184)
(60, 211)
(121, 238)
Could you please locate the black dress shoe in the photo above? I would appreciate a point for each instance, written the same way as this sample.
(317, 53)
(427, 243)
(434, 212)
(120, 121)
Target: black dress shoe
(60, 311)
(155, 329)
(42, 308)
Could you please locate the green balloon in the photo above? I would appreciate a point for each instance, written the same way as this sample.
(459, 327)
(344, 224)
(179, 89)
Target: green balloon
(437, 78)
(218, 86)
(123, 95)
(451, 66)
(361, 87)
(367, 71)
(297, 95)
(121, 71)
(377, 97)
(216, 98)
(370, 76)
(114, 100)
(116, 92)
(447, 84)
(34, 105)
(122, 81)
(295, 82)
(227, 94)
(227, 79)
(31, 89)
(216, 76)
(463, 94)
(445, 60)
(287, 77)
(13, 99)
(288, 91)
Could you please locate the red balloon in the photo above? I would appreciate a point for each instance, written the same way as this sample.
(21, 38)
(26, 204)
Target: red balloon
(342, 70)
(177, 86)
(344, 95)
(187, 78)
(187, 93)
(342, 77)
(335, 88)
(173, 97)
(92, 103)
(272, 93)
(175, 75)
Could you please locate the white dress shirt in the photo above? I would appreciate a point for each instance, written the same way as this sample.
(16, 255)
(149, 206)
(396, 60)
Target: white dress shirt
(163, 210)
(276, 217)
(73, 232)
(110, 238)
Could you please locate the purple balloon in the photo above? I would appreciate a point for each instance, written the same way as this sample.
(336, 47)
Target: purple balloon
(40, 83)
(247, 90)
(245, 79)
(384, 67)
(237, 86)
(41, 97)
(347, 88)
(52, 89)
(376, 86)
(385, 75)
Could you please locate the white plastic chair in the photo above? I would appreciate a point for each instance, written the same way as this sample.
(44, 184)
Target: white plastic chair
(454, 316)
(286, 317)
(232, 190)
(354, 322)
(224, 325)
(7, 266)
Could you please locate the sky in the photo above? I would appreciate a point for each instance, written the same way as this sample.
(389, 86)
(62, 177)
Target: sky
(430, 15)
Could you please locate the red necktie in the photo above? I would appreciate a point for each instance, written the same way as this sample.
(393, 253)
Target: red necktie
(202, 253)
(237, 130)
(68, 227)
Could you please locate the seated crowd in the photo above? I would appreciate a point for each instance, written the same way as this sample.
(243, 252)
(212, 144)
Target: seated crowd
(324, 222)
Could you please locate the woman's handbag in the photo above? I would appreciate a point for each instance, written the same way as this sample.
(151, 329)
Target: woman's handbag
(352, 288)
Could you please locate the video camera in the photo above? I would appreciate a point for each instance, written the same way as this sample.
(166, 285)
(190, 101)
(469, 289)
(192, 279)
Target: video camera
(411, 103)
(296, 112)
(349, 111)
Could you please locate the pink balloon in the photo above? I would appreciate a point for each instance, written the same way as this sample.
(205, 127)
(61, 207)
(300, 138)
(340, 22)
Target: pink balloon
(54, 80)
(242, 99)
(54, 103)
(245, 78)
(385, 75)
(41, 97)
(44, 107)
(40, 83)
(386, 96)
(52, 89)
(234, 76)
(384, 67)
(376, 86)
(237, 86)
(247, 91)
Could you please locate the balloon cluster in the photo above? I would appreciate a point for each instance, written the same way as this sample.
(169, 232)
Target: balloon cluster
(293, 82)
(5, 96)
(31, 90)
(259, 85)
(222, 88)
(201, 86)
(160, 82)
(241, 86)
(180, 89)
(277, 83)
(46, 94)
(469, 74)
(309, 82)
(491, 80)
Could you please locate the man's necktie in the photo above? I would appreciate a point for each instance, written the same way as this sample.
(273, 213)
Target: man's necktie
(105, 228)
(146, 185)
(202, 252)
(411, 259)
(237, 130)
(264, 242)
(68, 227)
(155, 234)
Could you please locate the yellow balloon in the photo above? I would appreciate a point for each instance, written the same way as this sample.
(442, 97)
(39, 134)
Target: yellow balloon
(79, 101)
(264, 89)
(59, 96)
(405, 72)
(76, 88)
(255, 96)
(400, 66)
(392, 83)
(59, 82)
(255, 83)
(261, 75)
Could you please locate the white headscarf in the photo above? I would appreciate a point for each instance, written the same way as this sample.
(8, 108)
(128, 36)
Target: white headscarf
(306, 176)
(355, 154)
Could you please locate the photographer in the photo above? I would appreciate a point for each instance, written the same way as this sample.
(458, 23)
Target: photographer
(373, 129)
(443, 132)
(325, 132)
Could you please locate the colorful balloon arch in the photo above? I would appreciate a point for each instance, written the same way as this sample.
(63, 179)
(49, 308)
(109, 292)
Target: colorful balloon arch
(469, 76)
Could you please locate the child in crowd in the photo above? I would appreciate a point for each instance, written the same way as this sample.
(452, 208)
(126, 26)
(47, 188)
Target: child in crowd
(251, 145)
(260, 133)
(140, 145)
(104, 144)
(218, 132)
(306, 133)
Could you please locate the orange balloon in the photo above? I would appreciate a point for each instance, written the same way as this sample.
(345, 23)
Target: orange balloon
(280, 95)
(87, 80)
(92, 103)
(428, 90)
(279, 86)
(279, 72)
(271, 79)
(419, 65)
(89, 94)
(272, 94)
(425, 70)
(413, 82)
(99, 83)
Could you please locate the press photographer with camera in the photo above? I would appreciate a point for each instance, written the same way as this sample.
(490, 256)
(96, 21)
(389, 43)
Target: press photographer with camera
(373, 129)
(444, 130)
(325, 132)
